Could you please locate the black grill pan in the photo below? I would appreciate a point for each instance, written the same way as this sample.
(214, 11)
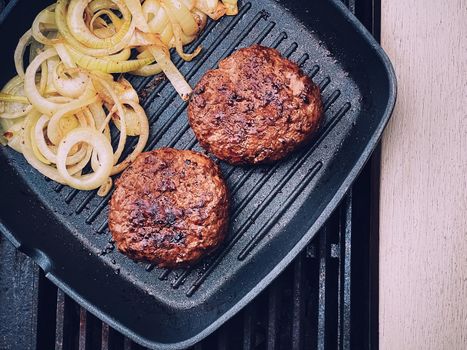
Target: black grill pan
(276, 209)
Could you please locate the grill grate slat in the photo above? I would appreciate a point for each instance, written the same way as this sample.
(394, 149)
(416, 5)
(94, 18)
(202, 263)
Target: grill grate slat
(273, 315)
(344, 304)
(323, 273)
(83, 330)
(127, 344)
(298, 304)
(66, 322)
(111, 339)
(222, 339)
(249, 320)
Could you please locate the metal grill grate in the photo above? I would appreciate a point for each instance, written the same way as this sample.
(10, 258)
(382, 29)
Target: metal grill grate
(320, 301)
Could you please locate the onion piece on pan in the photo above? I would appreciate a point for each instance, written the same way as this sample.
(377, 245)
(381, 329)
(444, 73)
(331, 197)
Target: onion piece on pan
(101, 147)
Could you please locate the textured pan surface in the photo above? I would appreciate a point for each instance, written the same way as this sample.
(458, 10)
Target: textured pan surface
(276, 209)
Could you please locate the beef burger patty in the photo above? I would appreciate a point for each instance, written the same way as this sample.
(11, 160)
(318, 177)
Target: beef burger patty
(170, 207)
(256, 107)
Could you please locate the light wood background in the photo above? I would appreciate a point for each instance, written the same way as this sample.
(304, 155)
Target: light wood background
(423, 209)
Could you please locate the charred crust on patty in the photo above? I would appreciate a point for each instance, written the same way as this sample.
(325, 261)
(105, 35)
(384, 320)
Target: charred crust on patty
(170, 207)
(257, 107)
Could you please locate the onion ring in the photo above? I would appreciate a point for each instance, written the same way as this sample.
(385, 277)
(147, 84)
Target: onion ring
(100, 146)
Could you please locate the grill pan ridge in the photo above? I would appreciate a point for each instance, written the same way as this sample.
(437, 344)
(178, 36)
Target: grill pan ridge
(276, 209)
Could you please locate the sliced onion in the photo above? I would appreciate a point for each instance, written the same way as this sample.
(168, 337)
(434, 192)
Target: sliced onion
(35, 148)
(190, 4)
(142, 140)
(105, 187)
(123, 55)
(141, 39)
(132, 118)
(148, 70)
(12, 132)
(47, 152)
(15, 115)
(104, 32)
(54, 132)
(23, 42)
(213, 8)
(14, 110)
(107, 65)
(231, 7)
(13, 98)
(155, 16)
(167, 36)
(81, 32)
(60, 19)
(21, 113)
(34, 49)
(86, 114)
(43, 78)
(42, 104)
(100, 119)
(100, 146)
(14, 84)
(27, 150)
(118, 106)
(181, 15)
(64, 55)
(98, 26)
(200, 18)
(171, 72)
(70, 82)
(122, 88)
(44, 20)
(97, 5)
(190, 29)
(138, 17)
(40, 141)
(51, 67)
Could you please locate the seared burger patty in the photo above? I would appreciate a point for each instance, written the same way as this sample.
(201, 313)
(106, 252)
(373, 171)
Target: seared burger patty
(256, 107)
(170, 207)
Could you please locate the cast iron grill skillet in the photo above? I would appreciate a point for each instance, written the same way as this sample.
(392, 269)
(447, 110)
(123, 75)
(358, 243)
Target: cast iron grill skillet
(276, 209)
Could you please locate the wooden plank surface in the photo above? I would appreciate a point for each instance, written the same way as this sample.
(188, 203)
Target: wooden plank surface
(423, 209)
